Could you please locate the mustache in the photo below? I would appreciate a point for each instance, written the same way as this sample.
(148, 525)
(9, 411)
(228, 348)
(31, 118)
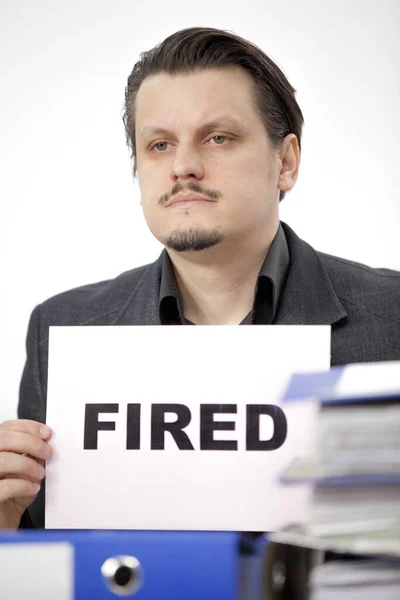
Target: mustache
(193, 186)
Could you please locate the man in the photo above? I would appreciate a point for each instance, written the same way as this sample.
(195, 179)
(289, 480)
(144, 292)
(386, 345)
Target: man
(215, 133)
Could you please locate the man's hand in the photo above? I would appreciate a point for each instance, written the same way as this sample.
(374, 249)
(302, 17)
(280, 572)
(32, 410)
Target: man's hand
(23, 451)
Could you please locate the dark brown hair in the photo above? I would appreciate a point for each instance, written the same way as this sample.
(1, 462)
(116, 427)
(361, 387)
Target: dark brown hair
(206, 48)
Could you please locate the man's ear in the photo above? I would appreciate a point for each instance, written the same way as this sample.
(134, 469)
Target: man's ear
(289, 155)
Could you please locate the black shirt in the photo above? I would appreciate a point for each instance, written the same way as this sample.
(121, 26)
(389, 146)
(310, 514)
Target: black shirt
(268, 292)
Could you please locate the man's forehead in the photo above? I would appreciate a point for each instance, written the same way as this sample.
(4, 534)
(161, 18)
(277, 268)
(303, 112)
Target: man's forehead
(205, 85)
(165, 100)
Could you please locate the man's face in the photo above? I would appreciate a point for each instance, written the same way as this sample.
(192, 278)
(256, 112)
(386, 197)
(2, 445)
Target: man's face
(199, 135)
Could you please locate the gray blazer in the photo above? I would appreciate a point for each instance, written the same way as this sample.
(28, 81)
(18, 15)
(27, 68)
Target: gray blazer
(361, 304)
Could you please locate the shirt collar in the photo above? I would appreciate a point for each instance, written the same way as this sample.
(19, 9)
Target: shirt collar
(270, 283)
(271, 280)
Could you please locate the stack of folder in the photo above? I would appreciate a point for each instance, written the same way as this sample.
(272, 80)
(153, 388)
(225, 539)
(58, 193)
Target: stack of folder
(354, 473)
(355, 580)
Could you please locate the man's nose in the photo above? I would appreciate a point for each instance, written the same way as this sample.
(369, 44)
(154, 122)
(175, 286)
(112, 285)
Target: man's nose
(187, 164)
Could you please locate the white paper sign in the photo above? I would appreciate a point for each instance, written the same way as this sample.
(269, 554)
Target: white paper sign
(110, 471)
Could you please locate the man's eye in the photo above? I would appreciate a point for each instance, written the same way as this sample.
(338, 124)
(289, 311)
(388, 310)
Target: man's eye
(160, 146)
(219, 139)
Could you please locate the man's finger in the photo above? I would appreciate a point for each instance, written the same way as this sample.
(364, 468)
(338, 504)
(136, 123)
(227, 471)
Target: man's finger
(14, 488)
(20, 466)
(27, 426)
(24, 443)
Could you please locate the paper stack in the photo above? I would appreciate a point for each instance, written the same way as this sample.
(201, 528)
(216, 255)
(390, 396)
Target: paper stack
(355, 580)
(355, 477)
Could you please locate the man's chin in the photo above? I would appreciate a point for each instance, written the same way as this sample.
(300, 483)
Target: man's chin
(192, 240)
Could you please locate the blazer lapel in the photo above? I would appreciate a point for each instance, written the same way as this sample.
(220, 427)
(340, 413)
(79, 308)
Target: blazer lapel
(141, 306)
(308, 297)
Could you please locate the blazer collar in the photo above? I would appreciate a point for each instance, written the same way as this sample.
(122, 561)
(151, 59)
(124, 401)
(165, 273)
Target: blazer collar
(308, 297)
(142, 305)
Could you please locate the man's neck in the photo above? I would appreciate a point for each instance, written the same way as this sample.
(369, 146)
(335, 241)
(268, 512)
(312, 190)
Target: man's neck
(217, 285)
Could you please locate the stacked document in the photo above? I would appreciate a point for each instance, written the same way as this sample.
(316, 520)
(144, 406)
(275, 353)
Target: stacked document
(357, 473)
(353, 469)
(355, 580)
(357, 438)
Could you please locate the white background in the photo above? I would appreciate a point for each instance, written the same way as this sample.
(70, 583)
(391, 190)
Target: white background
(69, 209)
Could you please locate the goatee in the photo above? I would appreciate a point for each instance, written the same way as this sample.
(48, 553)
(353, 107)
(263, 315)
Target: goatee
(193, 240)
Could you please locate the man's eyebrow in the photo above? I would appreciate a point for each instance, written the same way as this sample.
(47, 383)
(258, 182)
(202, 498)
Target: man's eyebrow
(218, 123)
